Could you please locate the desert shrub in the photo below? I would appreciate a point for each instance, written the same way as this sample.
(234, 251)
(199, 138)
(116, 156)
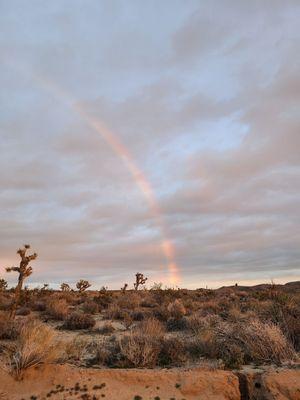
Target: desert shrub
(90, 307)
(151, 327)
(137, 315)
(140, 350)
(36, 345)
(253, 341)
(161, 313)
(177, 324)
(176, 309)
(75, 349)
(103, 299)
(23, 311)
(265, 342)
(57, 309)
(195, 323)
(172, 352)
(115, 312)
(210, 307)
(106, 329)
(38, 305)
(78, 320)
(106, 353)
(129, 301)
(5, 303)
(9, 329)
(141, 347)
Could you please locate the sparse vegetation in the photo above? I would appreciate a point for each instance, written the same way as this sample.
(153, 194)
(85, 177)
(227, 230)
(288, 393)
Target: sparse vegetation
(153, 328)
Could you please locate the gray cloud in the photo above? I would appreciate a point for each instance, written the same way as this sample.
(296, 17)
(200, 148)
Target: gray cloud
(205, 101)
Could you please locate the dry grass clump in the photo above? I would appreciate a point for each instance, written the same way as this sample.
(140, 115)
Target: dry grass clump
(23, 311)
(152, 327)
(77, 320)
(141, 351)
(106, 329)
(141, 347)
(36, 345)
(172, 352)
(9, 329)
(176, 309)
(38, 305)
(129, 301)
(57, 309)
(265, 342)
(76, 349)
(252, 341)
(90, 307)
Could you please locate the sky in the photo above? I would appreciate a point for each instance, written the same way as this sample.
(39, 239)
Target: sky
(152, 136)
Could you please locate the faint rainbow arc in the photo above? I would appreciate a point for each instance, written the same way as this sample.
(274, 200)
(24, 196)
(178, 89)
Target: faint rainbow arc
(122, 151)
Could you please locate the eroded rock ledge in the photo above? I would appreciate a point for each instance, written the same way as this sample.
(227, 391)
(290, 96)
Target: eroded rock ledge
(68, 382)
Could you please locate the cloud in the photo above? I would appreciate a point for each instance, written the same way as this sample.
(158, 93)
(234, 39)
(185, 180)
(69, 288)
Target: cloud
(204, 96)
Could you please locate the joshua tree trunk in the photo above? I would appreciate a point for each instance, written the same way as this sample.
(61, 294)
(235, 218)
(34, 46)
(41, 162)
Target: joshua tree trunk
(16, 300)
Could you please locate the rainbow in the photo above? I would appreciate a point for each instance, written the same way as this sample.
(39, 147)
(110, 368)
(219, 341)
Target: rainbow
(123, 153)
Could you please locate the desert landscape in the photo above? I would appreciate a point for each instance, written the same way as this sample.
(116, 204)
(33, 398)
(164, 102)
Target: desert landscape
(156, 343)
(149, 200)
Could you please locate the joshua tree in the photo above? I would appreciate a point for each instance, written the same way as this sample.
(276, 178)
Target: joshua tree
(64, 287)
(123, 289)
(3, 285)
(24, 270)
(45, 287)
(139, 280)
(82, 285)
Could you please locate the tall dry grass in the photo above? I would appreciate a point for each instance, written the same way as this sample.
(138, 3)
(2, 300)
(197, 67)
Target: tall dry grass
(37, 344)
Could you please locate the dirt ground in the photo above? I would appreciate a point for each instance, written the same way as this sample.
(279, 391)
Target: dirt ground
(60, 382)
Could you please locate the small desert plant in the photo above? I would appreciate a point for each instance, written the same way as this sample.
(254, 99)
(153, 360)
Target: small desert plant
(253, 341)
(90, 307)
(38, 305)
(177, 324)
(78, 320)
(129, 301)
(57, 309)
(36, 345)
(23, 311)
(172, 352)
(24, 270)
(140, 350)
(83, 285)
(142, 346)
(106, 329)
(3, 284)
(9, 329)
(76, 349)
(140, 279)
(176, 309)
(152, 327)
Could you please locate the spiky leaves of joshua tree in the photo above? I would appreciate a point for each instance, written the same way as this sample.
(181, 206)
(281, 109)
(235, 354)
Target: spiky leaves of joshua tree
(65, 287)
(24, 270)
(3, 285)
(82, 285)
(139, 280)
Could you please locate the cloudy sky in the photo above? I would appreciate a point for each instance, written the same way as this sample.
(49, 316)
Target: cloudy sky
(153, 136)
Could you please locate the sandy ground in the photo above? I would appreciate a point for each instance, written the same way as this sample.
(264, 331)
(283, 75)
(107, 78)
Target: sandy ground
(67, 382)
